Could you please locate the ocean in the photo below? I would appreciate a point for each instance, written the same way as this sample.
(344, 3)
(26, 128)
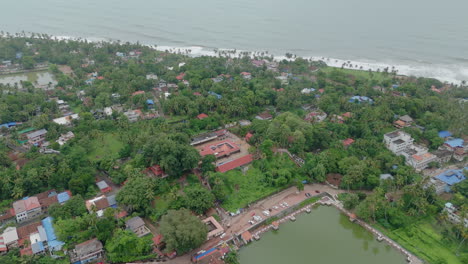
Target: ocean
(419, 37)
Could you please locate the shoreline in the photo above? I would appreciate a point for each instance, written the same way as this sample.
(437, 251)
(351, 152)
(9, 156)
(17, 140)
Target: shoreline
(446, 73)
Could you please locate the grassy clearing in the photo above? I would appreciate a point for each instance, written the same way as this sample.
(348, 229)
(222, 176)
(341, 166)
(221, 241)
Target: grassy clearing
(245, 189)
(378, 76)
(423, 240)
(107, 146)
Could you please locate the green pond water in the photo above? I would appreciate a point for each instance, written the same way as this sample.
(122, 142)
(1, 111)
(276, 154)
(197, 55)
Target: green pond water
(324, 236)
(39, 78)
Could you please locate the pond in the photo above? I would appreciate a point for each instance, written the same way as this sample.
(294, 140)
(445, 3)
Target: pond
(323, 236)
(40, 79)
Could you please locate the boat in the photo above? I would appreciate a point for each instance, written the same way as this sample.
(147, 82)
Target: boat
(292, 218)
(308, 210)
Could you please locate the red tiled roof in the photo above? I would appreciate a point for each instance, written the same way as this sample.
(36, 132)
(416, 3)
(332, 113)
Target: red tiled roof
(348, 142)
(197, 94)
(32, 203)
(245, 73)
(138, 92)
(235, 163)
(46, 202)
(157, 170)
(202, 116)
(347, 114)
(180, 76)
(26, 251)
(101, 204)
(25, 231)
(220, 149)
(247, 236)
(157, 239)
(248, 136)
(100, 78)
(122, 214)
(321, 90)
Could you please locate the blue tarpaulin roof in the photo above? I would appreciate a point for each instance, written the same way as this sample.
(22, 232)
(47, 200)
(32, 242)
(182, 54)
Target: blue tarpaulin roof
(455, 143)
(444, 134)
(63, 197)
(52, 241)
(150, 102)
(452, 177)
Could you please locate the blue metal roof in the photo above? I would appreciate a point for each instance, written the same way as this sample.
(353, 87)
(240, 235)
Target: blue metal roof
(452, 177)
(215, 94)
(63, 197)
(150, 102)
(52, 241)
(455, 143)
(37, 247)
(360, 99)
(444, 134)
(204, 254)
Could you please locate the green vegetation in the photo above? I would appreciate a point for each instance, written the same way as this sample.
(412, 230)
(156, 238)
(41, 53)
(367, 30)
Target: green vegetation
(182, 231)
(237, 189)
(158, 171)
(422, 239)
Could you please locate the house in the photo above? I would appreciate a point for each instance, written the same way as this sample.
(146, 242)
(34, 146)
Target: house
(439, 186)
(27, 208)
(454, 143)
(398, 141)
(181, 76)
(88, 251)
(64, 138)
(230, 165)
(307, 90)
(443, 155)
(386, 176)
(132, 115)
(248, 136)
(7, 216)
(202, 116)
(347, 142)
(150, 103)
(246, 75)
(151, 76)
(138, 93)
(445, 134)
(246, 237)
(112, 201)
(453, 214)
(315, 116)
(103, 186)
(36, 137)
(218, 96)
(214, 227)
(10, 237)
(155, 171)
(334, 179)
(97, 204)
(258, 63)
(137, 226)
(421, 161)
(3, 247)
(211, 256)
(53, 244)
(243, 123)
(65, 120)
(360, 99)
(220, 149)
(206, 137)
(264, 116)
(460, 153)
(403, 121)
(451, 177)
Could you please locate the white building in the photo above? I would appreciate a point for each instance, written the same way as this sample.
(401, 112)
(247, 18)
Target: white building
(420, 162)
(65, 137)
(398, 141)
(453, 214)
(65, 120)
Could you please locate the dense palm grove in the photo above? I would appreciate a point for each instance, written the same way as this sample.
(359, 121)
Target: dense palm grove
(116, 148)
